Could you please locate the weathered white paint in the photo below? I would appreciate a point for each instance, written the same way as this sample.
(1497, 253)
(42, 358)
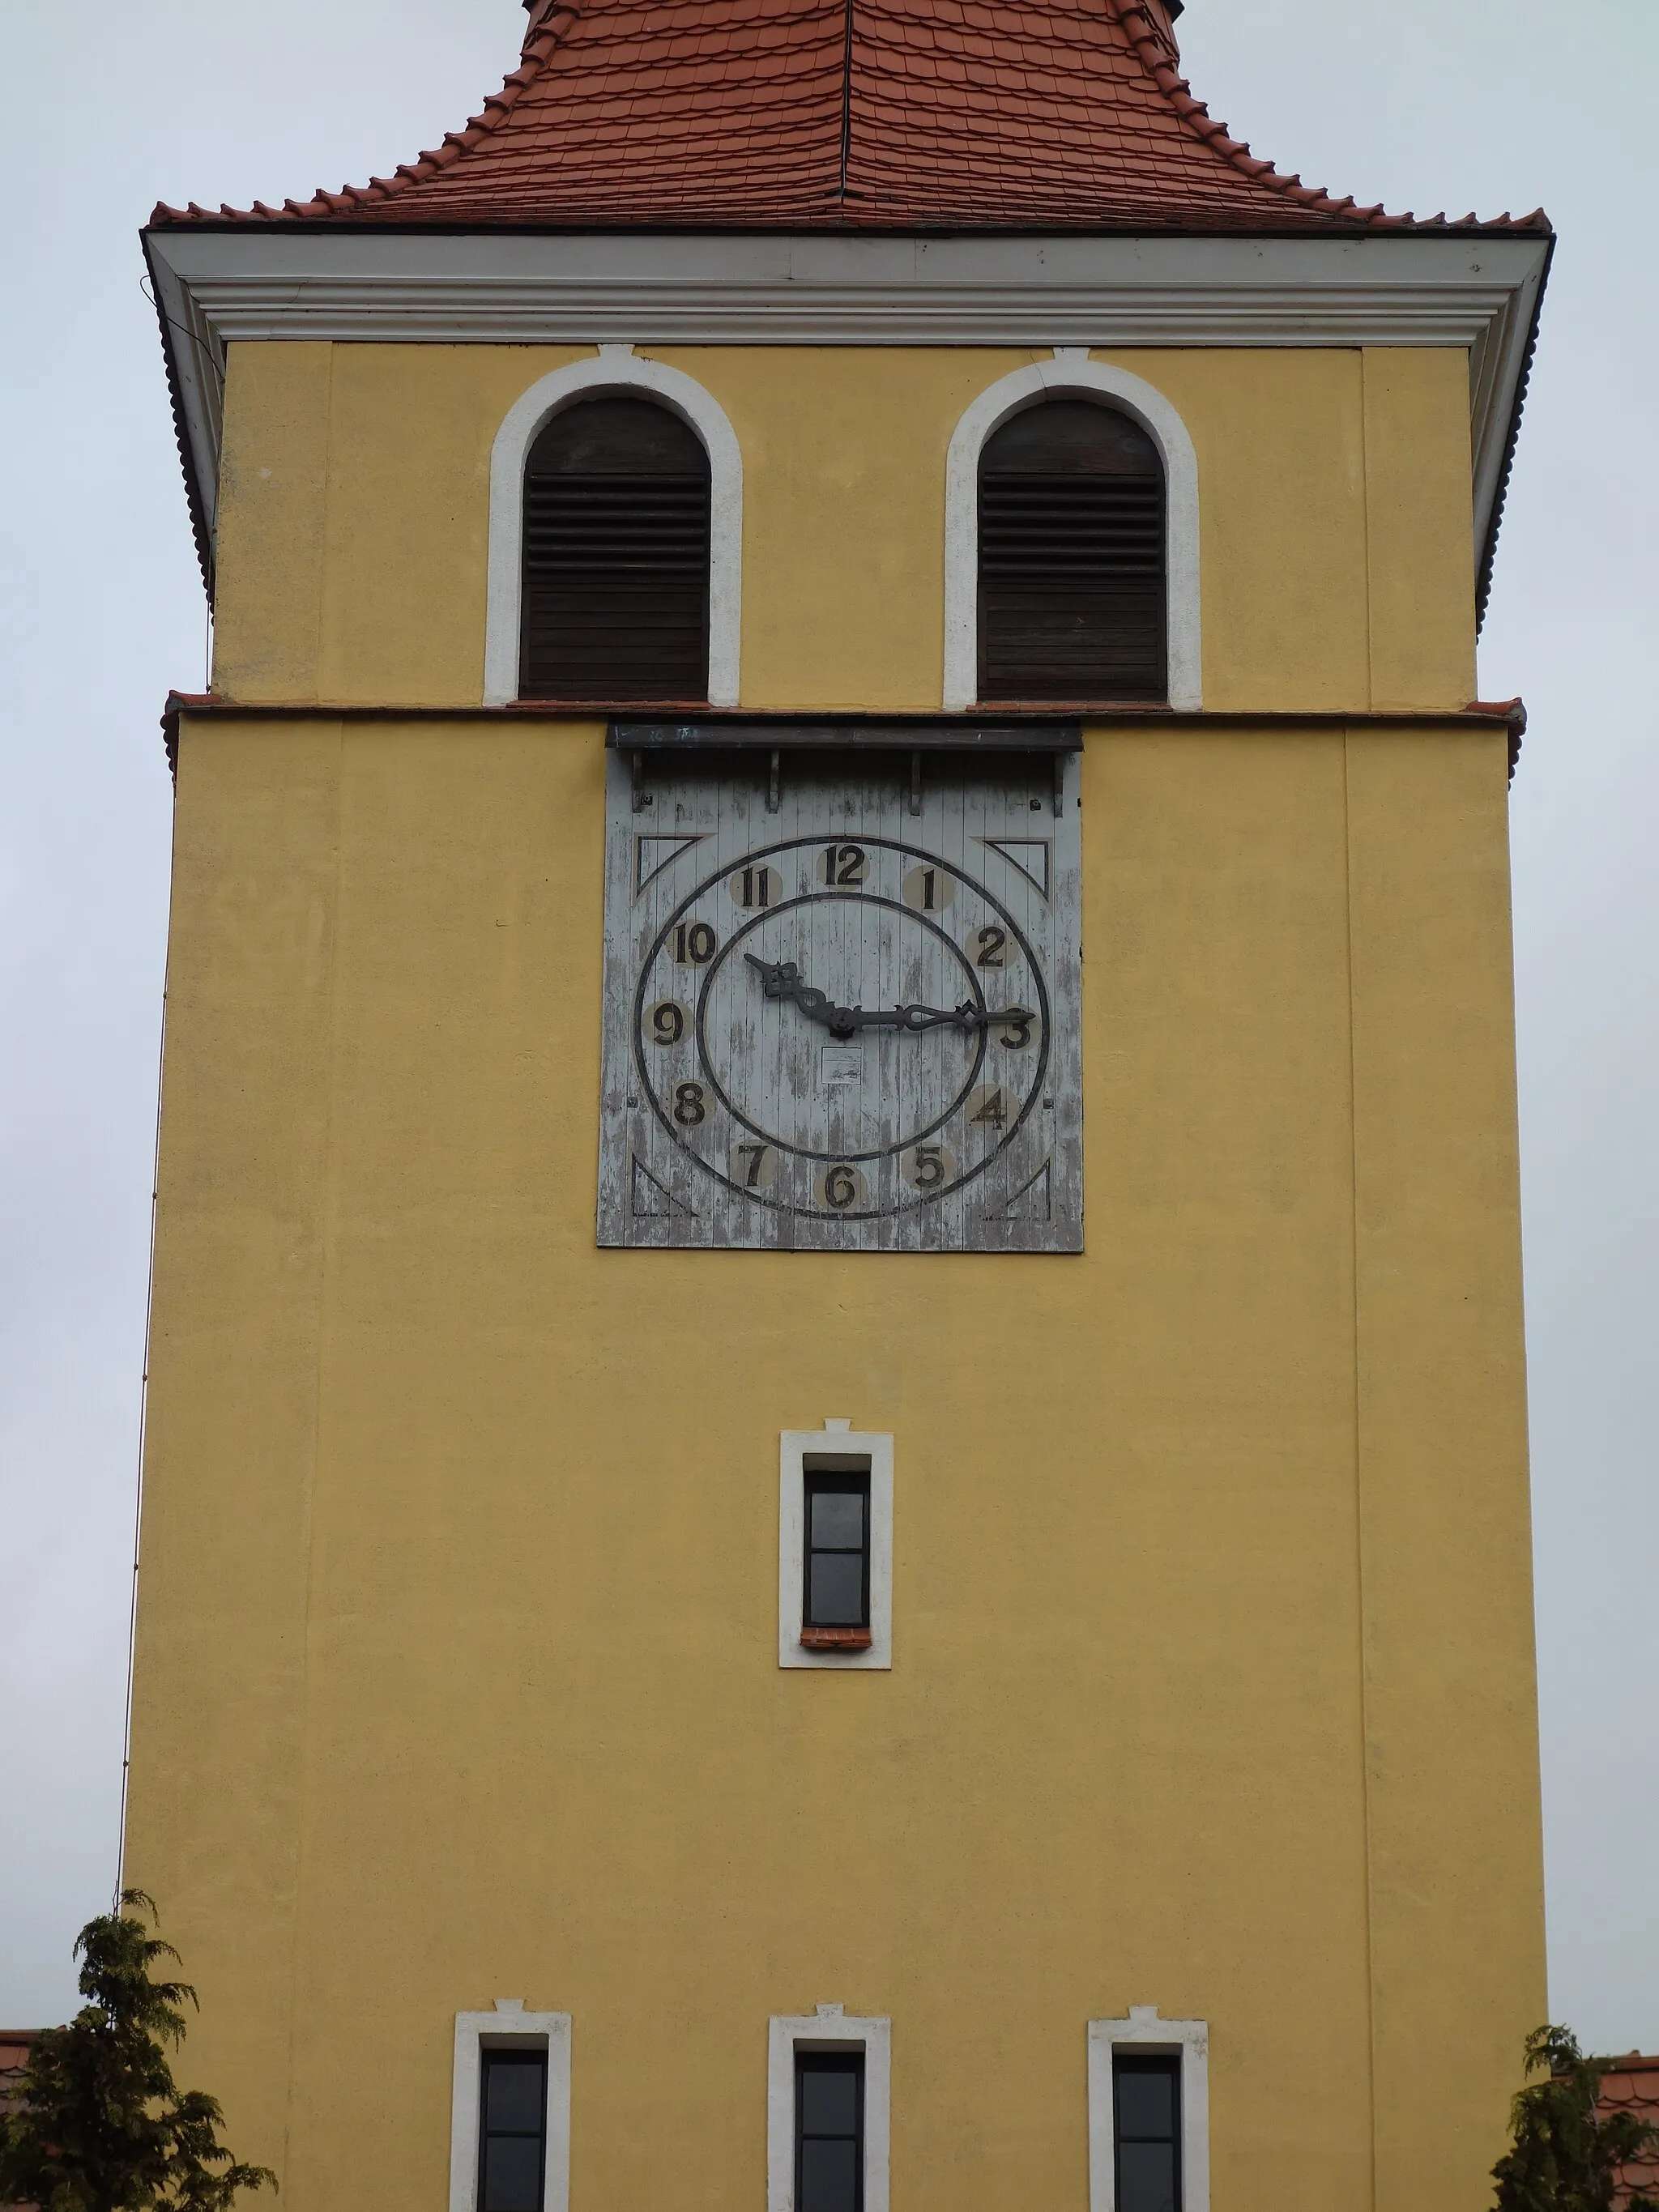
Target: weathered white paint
(746, 1084)
(1144, 2032)
(1071, 371)
(840, 1438)
(615, 370)
(829, 2028)
(509, 2027)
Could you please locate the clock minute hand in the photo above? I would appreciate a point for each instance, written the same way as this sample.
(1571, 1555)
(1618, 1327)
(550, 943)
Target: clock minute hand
(783, 980)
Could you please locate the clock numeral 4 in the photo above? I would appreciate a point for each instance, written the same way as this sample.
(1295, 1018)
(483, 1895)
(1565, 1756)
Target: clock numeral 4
(987, 1108)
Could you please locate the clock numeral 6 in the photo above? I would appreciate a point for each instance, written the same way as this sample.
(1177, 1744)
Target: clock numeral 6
(665, 1021)
(843, 867)
(987, 1108)
(689, 1108)
(694, 944)
(984, 947)
(754, 1165)
(751, 886)
(842, 1188)
(927, 1167)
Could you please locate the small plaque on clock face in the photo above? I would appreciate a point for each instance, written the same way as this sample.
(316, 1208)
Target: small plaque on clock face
(842, 1011)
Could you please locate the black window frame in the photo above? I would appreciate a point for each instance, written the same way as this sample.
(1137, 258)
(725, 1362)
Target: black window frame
(516, 2055)
(1169, 2065)
(829, 1475)
(848, 2060)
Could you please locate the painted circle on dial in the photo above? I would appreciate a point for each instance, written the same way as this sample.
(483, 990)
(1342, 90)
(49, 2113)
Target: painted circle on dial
(768, 1099)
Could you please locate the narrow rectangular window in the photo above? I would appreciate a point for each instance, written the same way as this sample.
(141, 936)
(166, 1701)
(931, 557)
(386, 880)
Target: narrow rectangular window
(513, 2131)
(1146, 2133)
(835, 1602)
(829, 2131)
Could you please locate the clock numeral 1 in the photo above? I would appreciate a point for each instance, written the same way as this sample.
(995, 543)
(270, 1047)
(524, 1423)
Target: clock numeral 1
(928, 890)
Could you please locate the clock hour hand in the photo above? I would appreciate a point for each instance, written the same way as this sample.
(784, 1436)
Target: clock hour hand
(783, 980)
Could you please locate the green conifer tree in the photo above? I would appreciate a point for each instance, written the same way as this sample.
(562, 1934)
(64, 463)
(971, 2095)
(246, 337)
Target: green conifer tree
(98, 2124)
(1565, 2157)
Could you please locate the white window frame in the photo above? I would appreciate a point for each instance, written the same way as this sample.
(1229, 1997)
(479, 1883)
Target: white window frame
(509, 2027)
(1149, 2037)
(1071, 370)
(795, 1445)
(615, 371)
(829, 2028)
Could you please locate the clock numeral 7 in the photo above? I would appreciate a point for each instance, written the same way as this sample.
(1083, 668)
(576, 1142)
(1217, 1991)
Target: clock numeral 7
(754, 1165)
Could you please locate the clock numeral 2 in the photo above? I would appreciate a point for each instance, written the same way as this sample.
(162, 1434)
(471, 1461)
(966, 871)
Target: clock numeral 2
(985, 945)
(844, 867)
(694, 944)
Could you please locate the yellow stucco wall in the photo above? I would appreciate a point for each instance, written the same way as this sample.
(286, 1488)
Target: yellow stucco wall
(1337, 556)
(457, 1658)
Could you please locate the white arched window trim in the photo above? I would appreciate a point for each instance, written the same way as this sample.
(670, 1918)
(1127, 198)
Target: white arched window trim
(614, 372)
(1045, 380)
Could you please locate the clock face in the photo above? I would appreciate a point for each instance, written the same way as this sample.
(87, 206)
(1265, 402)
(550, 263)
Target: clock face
(845, 1021)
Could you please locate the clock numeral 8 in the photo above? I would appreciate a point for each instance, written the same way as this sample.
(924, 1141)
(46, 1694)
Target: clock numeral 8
(689, 1108)
(844, 867)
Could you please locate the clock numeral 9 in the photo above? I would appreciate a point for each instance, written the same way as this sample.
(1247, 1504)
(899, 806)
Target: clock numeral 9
(844, 867)
(842, 1187)
(665, 1021)
(927, 1168)
(689, 1108)
(694, 944)
(987, 1108)
(754, 1165)
(985, 945)
(752, 886)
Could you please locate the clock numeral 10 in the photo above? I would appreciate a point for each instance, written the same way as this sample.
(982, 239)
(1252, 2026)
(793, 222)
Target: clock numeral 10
(694, 944)
(844, 867)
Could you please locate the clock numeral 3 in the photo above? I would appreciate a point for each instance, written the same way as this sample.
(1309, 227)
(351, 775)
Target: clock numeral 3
(666, 1021)
(844, 867)
(694, 944)
(689, 1108)
(1016, 1032)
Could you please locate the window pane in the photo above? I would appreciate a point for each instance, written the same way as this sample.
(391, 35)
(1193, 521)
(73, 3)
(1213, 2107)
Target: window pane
(1145, 2102)
(1146, 2177)
(512, 2174)
(514, 2098)
(829, 2101)
(837, 1589)
(838, 1518)
(829, 2177)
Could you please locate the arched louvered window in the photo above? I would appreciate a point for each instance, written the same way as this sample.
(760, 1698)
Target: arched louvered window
(615, 556)
(1072, 576)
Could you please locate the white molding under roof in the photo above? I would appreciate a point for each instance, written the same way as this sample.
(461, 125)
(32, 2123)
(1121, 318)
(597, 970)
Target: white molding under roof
(215, 288)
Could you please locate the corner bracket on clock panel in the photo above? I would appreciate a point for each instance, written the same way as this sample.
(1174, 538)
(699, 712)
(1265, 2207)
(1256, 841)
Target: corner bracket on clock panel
(649, 1199)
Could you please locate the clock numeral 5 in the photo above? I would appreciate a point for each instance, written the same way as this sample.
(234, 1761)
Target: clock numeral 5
(928, 1167)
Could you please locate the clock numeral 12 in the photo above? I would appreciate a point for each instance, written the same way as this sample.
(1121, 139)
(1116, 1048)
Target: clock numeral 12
(844, 867)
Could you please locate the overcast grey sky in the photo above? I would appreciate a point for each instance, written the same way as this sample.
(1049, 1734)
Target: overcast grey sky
(1425, 104)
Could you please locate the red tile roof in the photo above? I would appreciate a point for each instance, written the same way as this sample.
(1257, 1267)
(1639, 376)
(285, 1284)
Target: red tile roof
(843, 114)
(1631, 2085)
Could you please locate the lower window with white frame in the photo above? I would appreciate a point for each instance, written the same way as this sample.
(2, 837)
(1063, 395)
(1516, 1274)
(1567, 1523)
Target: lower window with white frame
(510, 2114)
(1149, 2114)
(828, 2076)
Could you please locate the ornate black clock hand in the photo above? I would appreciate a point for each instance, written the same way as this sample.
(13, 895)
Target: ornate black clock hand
(783, 980)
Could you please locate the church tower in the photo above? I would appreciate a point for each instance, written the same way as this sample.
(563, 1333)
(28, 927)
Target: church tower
(836, 1501)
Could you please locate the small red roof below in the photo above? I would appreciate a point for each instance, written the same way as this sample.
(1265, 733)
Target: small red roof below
(844, 114)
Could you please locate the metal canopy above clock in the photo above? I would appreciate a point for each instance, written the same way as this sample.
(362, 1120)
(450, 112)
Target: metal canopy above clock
(841, 989)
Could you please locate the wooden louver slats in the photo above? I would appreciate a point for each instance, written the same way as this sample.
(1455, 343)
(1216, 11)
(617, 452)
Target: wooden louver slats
(615, 557)
(1072, 564)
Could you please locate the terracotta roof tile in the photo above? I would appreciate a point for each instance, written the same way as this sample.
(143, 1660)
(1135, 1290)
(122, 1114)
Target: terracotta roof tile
(845, 114)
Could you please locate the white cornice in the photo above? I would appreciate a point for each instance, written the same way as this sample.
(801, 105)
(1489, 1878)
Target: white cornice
(215, 288)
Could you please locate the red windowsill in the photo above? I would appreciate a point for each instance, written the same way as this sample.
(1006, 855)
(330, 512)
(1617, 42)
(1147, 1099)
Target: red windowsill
(835, 1639)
